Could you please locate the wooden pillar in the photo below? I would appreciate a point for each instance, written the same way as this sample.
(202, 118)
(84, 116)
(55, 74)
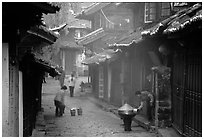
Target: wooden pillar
(156, 101)
(162, 96)
(5, 90)
(20, 104)
(109, 81)
(39, 92)
(89, 71)
(13, 86)
(122, 80)
(14, 101)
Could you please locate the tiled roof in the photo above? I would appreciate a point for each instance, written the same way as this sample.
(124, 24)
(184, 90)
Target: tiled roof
(58, 28)
(127, 39)
(176, 22)
(100, 57)
(181, 22)
(47, 67)
(44, 33)
(78, 23)
(91, 37)
(94, 8)
(40, 63)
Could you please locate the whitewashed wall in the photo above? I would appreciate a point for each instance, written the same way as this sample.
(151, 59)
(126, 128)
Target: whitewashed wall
(5, 90)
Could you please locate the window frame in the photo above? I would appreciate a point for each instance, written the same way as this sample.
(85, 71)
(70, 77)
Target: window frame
(110, 26)
(165, 8)
(149, 12)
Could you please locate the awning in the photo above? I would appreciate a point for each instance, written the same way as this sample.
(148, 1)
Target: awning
(44, 33)
(31, 62)
(175, 22)
(47, 67)
(100, 57)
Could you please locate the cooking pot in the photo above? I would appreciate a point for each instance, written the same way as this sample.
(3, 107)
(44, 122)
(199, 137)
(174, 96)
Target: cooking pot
(126, 112)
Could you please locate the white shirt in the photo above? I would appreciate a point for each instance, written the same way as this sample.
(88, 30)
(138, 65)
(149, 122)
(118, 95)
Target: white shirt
(72, 81)
(60, 96)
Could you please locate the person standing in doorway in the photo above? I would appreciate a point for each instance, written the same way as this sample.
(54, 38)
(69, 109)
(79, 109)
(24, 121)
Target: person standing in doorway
(72, 81)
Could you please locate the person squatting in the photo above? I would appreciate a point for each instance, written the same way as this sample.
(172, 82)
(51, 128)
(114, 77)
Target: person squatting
(148, 97)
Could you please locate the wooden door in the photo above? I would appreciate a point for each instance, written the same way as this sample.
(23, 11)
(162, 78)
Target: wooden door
(193, 94)
(178, 90)
(187, 93)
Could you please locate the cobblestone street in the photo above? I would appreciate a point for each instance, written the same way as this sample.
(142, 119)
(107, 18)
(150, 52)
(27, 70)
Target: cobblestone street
(102, 69)
(94, 121)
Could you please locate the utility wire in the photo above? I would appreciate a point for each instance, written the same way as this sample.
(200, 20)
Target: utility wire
(106, 17)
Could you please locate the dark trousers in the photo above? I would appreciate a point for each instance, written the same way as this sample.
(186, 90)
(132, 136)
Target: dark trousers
(150, 111)
(71, 89)
(44, 81)
(59, 108)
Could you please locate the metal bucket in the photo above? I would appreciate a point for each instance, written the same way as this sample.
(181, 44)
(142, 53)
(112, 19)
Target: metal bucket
(73, 112)
(79, 111)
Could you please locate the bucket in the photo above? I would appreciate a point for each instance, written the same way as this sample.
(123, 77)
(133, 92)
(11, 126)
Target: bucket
(73, 112)
(79, 111)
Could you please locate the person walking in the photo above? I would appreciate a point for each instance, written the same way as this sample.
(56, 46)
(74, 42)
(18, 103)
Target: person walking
(72, 81)
(59, 101)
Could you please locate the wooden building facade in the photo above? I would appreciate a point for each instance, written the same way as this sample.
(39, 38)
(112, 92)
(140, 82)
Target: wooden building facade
(158, 55)
(23, 98)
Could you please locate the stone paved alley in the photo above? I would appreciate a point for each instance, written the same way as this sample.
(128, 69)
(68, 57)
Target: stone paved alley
(94, 122)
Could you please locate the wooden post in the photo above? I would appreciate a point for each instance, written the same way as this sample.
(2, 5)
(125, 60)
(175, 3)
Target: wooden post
(88, 73)
(122, 80)
(109, 82)
(5, 90)
(153, 82)
(14, 101)
(20, 104)
(13, 85)
(157, 102)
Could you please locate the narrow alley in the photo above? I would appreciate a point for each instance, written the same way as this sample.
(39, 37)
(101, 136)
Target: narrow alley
(133, 68)
(94, 121)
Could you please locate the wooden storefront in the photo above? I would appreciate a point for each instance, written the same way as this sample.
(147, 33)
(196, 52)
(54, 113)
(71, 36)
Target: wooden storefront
(187, 90)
